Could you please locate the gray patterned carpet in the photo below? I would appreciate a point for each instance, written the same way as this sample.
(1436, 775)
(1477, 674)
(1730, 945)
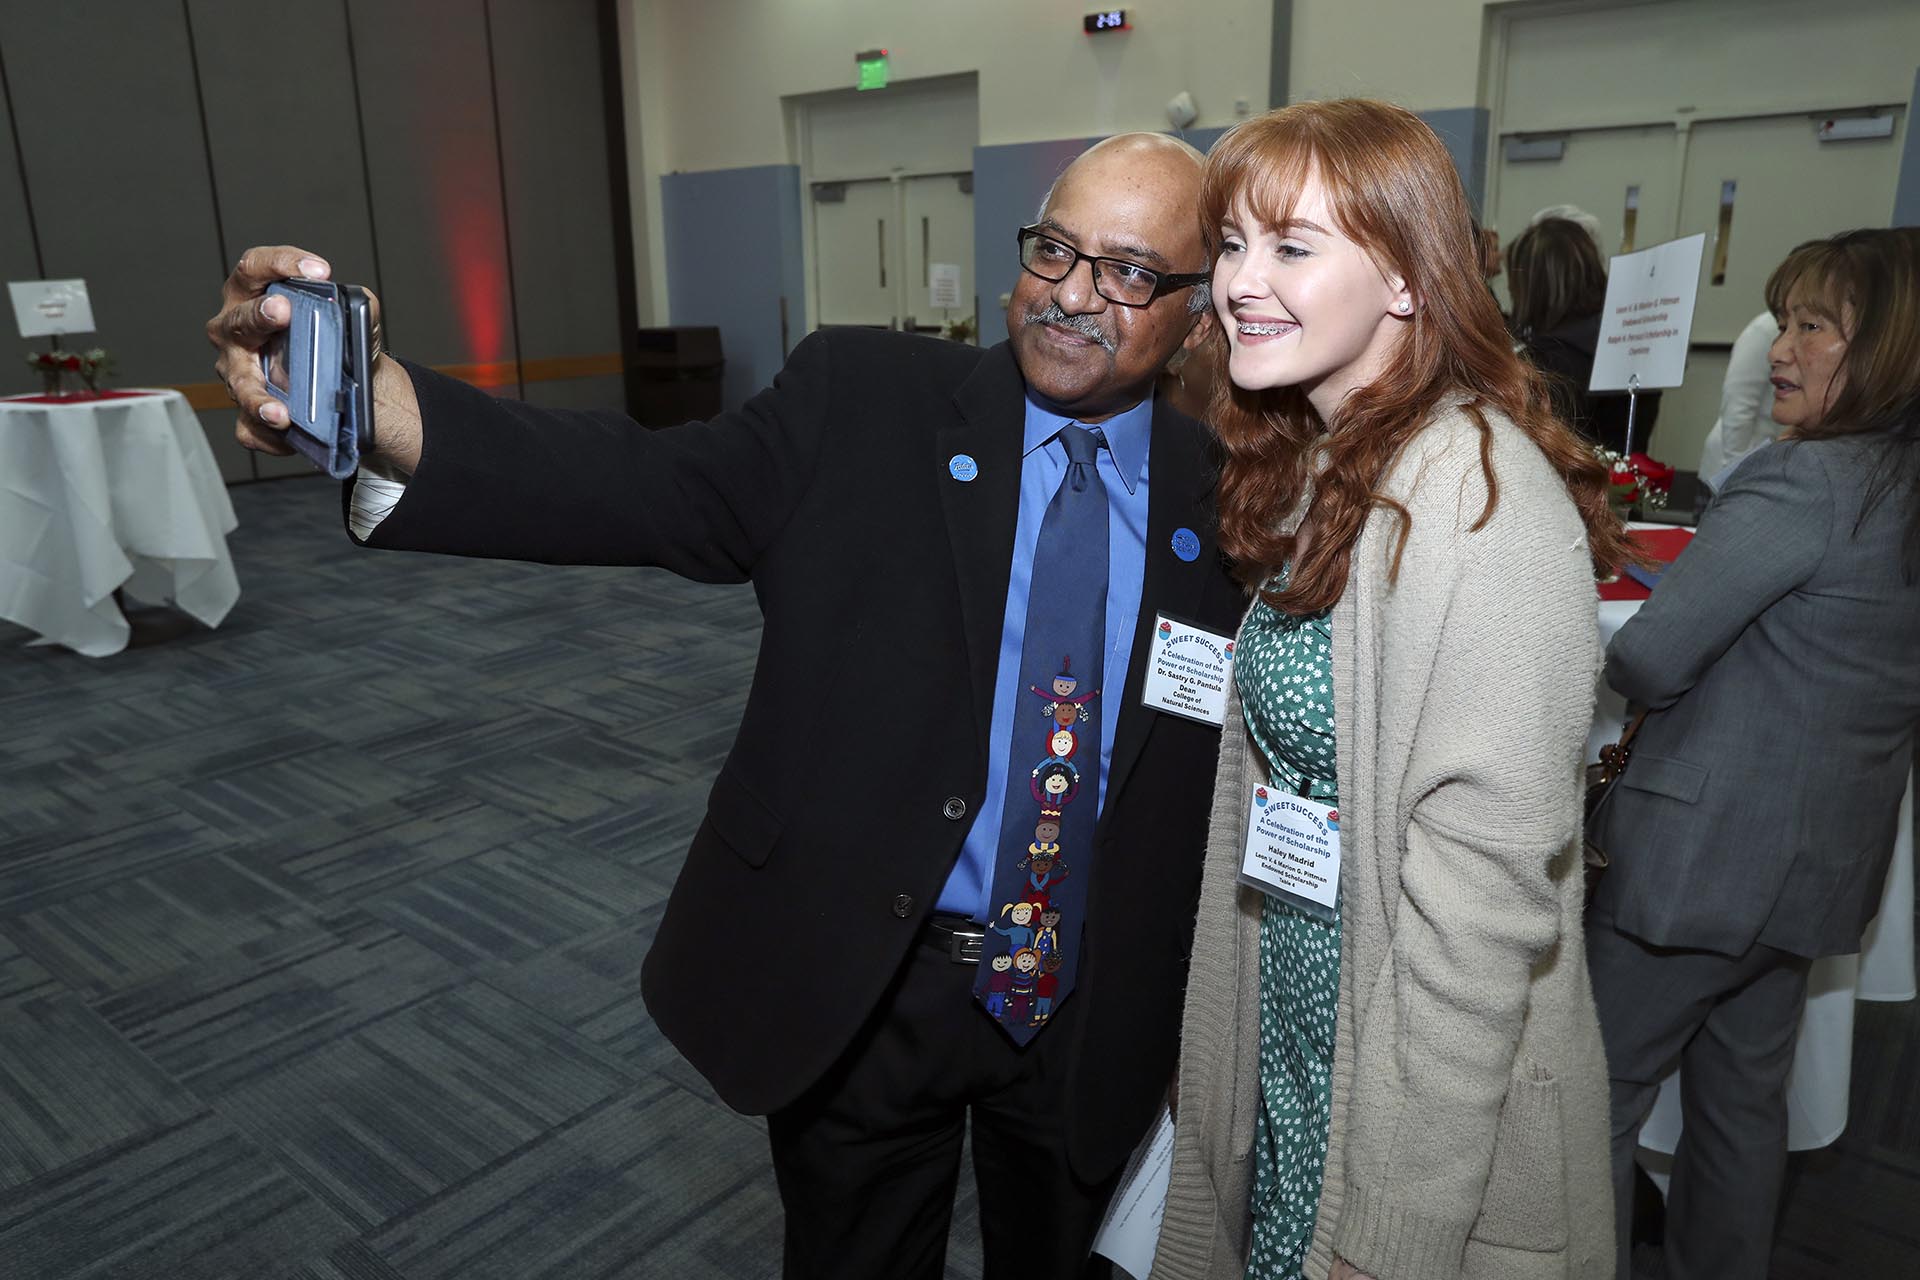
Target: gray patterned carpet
(320, 934)
(320, 938)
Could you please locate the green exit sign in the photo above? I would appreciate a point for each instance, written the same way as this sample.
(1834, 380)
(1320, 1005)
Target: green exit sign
(873, 69)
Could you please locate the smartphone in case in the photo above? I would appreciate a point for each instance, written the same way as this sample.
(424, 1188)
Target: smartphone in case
(321, 367)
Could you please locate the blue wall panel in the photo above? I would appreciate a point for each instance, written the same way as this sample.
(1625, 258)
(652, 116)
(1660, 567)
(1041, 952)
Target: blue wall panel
(1009, 182)
(1464, 130)
(733, 258)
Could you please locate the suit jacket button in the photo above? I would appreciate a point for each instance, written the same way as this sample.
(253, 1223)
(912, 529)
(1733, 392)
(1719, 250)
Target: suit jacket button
(955, 808)
(903, 905)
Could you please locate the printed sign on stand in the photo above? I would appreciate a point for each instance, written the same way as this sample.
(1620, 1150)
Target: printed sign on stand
(46, 307)
(943, 285)
(1648, 317)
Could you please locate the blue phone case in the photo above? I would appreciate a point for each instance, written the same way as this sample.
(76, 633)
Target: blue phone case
(320, 373)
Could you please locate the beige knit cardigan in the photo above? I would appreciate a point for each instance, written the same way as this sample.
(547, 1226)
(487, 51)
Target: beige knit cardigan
(1469, 1121)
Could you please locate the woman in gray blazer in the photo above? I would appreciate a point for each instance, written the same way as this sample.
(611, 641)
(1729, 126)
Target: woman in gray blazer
(1752, 829)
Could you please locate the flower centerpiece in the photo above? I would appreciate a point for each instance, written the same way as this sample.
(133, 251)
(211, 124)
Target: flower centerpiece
(1635, 480)
(95, 364)
(91, 367)
(53, 367)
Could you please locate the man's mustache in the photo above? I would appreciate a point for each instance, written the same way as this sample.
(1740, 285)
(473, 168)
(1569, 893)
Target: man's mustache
(1086, 326)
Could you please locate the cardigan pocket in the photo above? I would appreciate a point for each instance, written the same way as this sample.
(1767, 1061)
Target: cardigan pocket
(1525, 1206)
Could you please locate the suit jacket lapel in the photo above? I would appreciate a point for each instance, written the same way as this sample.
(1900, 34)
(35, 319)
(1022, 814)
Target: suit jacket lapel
(1181, 479)
(981, 512)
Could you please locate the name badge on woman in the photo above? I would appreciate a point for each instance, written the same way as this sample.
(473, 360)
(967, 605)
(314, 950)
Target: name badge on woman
(1293, 851)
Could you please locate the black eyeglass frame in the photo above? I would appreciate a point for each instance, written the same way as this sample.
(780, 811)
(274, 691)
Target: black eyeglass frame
(1164, 281)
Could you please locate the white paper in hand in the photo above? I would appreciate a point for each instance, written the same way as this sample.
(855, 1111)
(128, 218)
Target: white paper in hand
(1131, 1230)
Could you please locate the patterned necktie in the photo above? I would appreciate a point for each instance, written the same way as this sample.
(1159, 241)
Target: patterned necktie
(1032, 948)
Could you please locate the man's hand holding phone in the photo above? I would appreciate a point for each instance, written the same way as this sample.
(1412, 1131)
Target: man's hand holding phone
(249, 319)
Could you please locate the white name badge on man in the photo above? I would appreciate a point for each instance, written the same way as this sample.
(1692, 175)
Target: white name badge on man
(1293, 850)
(1187, 670)
(1647, 320)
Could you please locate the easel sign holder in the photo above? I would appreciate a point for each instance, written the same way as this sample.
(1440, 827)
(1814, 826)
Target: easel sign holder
(1647, 321)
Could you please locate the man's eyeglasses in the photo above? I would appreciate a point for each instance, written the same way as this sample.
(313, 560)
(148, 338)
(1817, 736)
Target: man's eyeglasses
(1115, 279)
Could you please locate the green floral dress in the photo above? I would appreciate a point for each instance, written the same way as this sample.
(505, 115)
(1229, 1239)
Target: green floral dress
(1284, 669)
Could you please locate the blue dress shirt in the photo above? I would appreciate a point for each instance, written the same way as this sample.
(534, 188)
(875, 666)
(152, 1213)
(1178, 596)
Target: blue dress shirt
(1043, 464)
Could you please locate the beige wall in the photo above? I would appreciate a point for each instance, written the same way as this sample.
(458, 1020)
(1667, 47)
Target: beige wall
(728, 63)
(1422, 54)
(708, 76)
(711, 74)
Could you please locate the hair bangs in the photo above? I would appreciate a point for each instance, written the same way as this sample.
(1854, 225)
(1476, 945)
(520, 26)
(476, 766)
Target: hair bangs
(1261, 167)
(1823, 277)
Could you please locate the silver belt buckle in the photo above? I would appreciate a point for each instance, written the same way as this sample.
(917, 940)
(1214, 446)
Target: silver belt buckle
(963, 946)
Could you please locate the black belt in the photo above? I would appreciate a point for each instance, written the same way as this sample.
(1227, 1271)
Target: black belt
(960, 937)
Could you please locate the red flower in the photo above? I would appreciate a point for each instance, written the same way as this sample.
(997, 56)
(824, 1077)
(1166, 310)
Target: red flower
(71, 362)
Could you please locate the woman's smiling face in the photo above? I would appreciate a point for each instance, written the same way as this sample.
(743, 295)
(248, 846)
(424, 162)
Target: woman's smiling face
(1302, 304)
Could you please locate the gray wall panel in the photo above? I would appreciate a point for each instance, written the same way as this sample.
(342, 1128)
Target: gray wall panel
(119, 179)
(286, 166)
(755, 214)
(425, 89)
(123, 194)
(553, 138)
(16, 254)
(1906, 196)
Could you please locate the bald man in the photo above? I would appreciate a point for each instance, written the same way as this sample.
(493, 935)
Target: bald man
(889, 497)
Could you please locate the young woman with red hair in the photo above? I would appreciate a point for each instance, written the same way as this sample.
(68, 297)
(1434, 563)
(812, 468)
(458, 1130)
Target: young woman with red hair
(1406, 1081)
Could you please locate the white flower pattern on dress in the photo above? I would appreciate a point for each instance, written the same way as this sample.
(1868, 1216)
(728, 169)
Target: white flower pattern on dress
(1284, 669)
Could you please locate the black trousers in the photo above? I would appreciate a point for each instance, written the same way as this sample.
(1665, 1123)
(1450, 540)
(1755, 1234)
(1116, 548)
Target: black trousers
(869, 1159)
(1731, 1023)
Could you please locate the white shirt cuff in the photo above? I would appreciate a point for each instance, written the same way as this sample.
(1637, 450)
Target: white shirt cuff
(375, 494)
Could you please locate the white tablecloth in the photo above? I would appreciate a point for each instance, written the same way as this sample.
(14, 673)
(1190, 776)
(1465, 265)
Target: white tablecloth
(107, 494)
(1884, 970)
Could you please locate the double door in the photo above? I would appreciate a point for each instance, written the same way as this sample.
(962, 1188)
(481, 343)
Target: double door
(887, 251)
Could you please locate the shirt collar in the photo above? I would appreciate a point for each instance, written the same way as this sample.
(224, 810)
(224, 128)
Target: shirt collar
(1127, 435)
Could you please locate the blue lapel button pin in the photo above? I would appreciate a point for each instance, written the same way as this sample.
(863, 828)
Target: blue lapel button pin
(1186, 545)
(962, 467)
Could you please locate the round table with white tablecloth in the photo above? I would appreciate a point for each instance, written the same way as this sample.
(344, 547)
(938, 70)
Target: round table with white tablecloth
(103, 494)
(1883, 970)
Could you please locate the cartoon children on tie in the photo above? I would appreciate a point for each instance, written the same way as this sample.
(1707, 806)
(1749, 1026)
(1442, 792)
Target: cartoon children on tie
(1046, 986)
(997, 985)
(1019, 934)
(1060, 702)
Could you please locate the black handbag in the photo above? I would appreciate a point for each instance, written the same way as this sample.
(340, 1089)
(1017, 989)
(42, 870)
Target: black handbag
(1602, 777)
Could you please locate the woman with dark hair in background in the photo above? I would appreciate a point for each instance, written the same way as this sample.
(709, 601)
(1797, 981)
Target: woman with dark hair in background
(1559, 285)
(1753, 827)
(1400, 1075)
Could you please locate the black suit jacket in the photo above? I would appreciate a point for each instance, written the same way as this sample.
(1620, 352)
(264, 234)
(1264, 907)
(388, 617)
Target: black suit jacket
(863, 754)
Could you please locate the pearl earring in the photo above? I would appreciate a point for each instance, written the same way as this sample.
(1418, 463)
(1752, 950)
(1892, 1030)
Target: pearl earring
(1403, 306)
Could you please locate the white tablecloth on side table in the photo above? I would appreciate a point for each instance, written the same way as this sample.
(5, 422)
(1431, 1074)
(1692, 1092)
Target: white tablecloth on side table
(1884, 970)
(98, 495)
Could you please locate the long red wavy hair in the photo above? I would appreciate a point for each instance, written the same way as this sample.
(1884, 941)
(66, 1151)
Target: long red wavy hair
(1392, 189)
